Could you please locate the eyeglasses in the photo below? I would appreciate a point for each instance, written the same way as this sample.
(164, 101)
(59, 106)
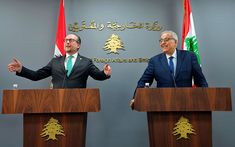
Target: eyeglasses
(165, 40)
(70, 40)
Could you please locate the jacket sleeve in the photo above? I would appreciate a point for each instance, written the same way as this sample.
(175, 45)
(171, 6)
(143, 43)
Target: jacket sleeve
(147, 76)
(42, 73)
(199, 78)
(95, 73)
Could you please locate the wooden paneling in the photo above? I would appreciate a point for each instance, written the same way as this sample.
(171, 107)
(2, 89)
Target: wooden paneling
(165, 106)
(74, 127)
(161, 126)
(50, 100)
(183, 99)
(68, 106)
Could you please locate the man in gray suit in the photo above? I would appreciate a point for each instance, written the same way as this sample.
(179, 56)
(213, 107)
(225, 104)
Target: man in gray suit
(69, 71)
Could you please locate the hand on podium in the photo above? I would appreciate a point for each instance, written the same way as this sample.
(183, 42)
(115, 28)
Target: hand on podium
(132, 103)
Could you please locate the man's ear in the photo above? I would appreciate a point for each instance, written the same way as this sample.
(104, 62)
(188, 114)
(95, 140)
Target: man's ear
(78, 46)
(176, 41)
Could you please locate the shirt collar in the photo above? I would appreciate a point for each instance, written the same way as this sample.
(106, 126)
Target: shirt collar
(173, 55)
(74, 55)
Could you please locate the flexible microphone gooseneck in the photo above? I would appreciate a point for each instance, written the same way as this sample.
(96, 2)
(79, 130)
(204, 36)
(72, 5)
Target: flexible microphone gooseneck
(173, 78)
(64, 80)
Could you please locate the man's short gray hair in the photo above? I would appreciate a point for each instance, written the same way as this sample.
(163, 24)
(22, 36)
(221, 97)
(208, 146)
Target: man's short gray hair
(174, 35)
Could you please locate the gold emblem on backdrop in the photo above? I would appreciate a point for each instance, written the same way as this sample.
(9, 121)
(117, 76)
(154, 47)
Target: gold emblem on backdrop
(183, 128)
(113, 44)
(51, 129)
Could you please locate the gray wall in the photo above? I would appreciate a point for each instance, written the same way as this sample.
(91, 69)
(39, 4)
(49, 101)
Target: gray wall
(27, 31)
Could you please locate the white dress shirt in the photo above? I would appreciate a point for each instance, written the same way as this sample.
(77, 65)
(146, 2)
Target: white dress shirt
(73, 59)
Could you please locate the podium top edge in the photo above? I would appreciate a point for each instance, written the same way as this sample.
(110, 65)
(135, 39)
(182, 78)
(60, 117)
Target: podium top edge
(53, 89)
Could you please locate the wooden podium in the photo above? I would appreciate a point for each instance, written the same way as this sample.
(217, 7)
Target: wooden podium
(68, 106)
(165, 107)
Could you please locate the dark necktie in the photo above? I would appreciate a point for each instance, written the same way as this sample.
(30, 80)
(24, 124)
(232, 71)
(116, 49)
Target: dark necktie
(69, 65)
(171, 65)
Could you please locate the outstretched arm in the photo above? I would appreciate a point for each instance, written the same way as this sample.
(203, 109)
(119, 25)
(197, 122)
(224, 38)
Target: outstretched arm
(16, 66)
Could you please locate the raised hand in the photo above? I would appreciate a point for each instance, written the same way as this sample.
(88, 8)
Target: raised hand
(15, 66)
(107, 70)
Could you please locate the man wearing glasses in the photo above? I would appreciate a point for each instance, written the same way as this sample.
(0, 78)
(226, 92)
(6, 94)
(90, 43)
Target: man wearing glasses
(69, 71)
(173, 67)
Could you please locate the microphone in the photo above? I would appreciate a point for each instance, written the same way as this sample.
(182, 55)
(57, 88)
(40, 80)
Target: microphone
(64, 79)
(173, 78)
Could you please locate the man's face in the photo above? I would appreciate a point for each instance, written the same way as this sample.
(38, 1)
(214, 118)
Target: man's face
(167, 43)
(70, 44)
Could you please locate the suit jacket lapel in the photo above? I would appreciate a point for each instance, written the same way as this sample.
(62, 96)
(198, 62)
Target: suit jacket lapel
(180, 58)
(62, 63)
(165, 63)
(76, 64)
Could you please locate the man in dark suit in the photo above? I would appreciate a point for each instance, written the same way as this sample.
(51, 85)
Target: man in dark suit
(173, 67)
(69, 71)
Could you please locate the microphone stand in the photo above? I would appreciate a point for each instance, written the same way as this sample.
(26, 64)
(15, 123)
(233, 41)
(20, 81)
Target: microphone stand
(64, 79)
